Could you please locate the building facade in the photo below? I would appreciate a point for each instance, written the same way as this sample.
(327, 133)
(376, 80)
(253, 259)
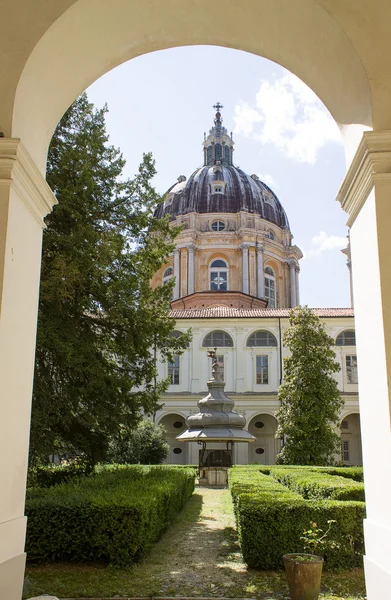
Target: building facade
(236, 276)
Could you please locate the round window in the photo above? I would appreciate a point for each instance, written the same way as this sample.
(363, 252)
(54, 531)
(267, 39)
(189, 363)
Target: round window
(257, 450)
(178, 424)
(259, 424)
(218, 226)
(177, 451)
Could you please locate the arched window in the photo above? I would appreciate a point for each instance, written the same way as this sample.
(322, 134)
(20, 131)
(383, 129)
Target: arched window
(167, 275)
(346, 338)
(177, 334)
(217, 339)
(218, 275)
(270, 287)
(270, 235)
(261, 338)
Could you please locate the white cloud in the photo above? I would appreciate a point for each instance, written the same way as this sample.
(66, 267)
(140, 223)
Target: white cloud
(290, 116)
(269, 180)
(324, 242)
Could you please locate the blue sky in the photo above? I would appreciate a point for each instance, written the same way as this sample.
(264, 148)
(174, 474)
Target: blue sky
(162, 102)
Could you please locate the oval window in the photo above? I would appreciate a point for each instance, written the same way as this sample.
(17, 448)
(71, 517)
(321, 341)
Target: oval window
(259, 424)
(218, 226)
(178, 424)
(259, 450)
(177, 451)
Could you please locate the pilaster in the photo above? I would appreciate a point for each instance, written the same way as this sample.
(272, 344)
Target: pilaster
(365, 194)
(260, 275)
(245, 279)
(25, 199)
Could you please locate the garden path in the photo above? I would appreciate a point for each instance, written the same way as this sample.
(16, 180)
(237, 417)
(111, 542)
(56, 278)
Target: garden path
(198, 556)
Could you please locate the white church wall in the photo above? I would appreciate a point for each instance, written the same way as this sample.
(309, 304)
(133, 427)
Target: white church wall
(251, 399)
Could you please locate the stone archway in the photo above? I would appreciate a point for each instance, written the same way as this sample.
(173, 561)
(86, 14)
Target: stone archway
(266, 447)
(50, 52)
(175, 424)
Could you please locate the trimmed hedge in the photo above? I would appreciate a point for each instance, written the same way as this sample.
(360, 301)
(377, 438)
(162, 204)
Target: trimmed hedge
(47, 476)
(271, 519)
(319, 484)
(115, 516)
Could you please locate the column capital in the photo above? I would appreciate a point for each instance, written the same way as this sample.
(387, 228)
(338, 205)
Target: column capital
(245, 246)
(260, 247)
(191, 247)
(372, 162)
(292, 264)
(17, 169)
(176, 251)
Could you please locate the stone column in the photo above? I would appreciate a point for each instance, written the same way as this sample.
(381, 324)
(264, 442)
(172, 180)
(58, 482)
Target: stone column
(260, 273)
(297, 270)
(190, 269)
(292, 272)
(365, 195)
(25, 198)
(176, 273)
(245, 284)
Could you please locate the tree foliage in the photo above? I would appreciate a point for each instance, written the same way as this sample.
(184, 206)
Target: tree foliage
(146, 444)
(98, 316)
(310, 400)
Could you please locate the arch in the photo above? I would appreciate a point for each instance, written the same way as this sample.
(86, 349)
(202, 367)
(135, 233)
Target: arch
(350, 431)
(174, 424)
(261, 338)
(347, 337)
(264, 450)
(217, 339)
(34, 105)
(218, 275)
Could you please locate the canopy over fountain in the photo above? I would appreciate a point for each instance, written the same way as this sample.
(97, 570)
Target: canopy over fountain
(216, 422)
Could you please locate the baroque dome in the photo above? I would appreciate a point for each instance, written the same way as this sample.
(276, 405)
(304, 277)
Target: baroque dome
(221, 187)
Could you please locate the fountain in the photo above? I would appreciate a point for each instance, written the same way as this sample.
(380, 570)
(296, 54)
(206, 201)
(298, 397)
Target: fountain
(214, 424)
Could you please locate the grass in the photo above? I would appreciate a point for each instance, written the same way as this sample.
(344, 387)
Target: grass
(197, 557)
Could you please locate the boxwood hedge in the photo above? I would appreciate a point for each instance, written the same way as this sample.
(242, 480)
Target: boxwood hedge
(271, 519)
(114, 516)
(318, 484)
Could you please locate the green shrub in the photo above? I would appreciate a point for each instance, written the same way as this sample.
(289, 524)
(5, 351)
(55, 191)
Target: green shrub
(319, 484)
(47, 476)
(115, 516)
(271, 519)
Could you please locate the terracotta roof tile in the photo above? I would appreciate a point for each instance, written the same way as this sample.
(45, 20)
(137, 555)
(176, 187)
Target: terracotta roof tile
(252, 313)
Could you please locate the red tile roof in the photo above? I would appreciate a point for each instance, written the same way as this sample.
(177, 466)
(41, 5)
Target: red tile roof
(252, 313)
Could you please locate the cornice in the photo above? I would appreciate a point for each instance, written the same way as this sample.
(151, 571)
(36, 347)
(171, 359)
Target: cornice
(17, 169)
(372, 162)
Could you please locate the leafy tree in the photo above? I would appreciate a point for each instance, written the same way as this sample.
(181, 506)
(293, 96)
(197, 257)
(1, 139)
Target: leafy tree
(146, 444)
(98, 316)
(309, 396)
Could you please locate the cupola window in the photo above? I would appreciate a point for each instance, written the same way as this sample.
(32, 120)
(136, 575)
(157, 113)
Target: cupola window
(218, 276)
(270, 287)
(167, 275)
(270, 235)
(218, 226)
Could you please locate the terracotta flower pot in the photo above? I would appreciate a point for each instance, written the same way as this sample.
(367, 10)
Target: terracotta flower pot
(303, 572)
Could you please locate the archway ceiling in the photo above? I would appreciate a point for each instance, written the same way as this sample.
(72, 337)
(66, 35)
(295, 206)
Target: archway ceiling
(51, 51)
